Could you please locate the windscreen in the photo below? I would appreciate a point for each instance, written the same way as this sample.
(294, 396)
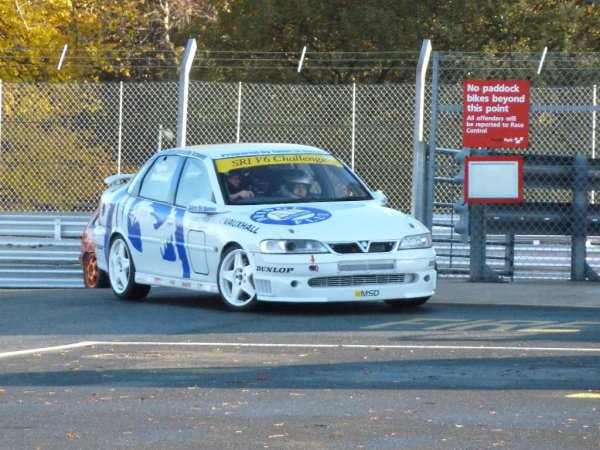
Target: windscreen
(288, 178)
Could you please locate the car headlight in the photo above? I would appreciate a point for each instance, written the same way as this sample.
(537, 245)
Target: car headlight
(415, 241)
(292, 246)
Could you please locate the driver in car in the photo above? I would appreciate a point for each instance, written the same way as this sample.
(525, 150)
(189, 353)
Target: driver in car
(236, 188)
(296, 185)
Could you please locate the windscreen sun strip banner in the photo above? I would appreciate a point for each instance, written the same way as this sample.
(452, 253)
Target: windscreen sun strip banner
(227, 164)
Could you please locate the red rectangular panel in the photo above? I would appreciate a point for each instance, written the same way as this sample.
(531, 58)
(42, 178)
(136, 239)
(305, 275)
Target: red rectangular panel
(496, 113)
(494, 182)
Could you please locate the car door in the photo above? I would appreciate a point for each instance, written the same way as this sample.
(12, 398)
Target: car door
(155, 217)
(194, 184)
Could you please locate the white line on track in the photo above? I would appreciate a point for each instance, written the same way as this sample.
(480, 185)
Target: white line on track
(274, 345)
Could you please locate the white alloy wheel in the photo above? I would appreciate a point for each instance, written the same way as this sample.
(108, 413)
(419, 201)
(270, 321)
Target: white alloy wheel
(236, 281)
(121, 272)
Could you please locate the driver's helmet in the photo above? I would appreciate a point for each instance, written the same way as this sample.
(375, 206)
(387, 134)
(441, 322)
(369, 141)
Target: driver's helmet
(291, 180)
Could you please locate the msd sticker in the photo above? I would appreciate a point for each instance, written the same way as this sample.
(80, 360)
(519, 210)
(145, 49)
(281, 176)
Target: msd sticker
(367, 293)
(290, 215)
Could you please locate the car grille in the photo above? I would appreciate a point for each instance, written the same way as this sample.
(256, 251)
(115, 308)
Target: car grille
(362, 247)
(365, 266)
(358, 280)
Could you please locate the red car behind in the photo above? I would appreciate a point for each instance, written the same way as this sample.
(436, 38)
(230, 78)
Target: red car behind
(92, 276)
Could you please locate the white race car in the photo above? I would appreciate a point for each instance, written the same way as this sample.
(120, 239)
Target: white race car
(260, 222)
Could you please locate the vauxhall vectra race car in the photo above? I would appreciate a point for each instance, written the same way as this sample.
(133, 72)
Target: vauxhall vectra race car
(260, 222)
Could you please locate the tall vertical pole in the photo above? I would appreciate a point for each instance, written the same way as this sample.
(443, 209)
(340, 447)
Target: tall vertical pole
(430, 161)
(120, 142)
(419, 175)
(0, 118)
(159, 140)
(239, 113)
(353, 143)
(184, 79)
(594, 103)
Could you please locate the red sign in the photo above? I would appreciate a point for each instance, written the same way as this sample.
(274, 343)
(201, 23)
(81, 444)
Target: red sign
(496, 113)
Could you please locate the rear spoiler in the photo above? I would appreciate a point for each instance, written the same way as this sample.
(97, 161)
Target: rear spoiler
(114, 180)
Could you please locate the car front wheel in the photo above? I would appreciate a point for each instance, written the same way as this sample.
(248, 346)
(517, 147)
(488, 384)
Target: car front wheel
(236, 281)
(121, 272)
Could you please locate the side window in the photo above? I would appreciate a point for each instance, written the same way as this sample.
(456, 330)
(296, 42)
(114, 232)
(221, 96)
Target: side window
(158, 183)
(193, 183)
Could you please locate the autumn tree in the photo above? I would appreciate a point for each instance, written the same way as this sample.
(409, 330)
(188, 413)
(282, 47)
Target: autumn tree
(106, 40)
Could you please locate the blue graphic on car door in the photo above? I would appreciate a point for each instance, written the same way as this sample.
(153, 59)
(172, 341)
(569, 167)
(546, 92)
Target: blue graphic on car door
(156, 231)
(110, 217)
(134, 231)
(179, 242)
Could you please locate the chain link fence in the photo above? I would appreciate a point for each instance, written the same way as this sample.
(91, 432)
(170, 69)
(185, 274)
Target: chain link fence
(554, 232)
(59, 141)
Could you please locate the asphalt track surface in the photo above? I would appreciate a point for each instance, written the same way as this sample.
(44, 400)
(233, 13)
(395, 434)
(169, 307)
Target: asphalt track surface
(510, 366)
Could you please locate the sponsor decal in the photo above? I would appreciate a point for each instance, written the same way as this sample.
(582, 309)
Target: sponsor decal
(367, 293)
(225, 165)
(290, 215)
(241, 225)
(274, 269)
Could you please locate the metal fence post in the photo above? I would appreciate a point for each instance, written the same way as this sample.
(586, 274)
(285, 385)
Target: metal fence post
(0, 118)
(239, 113)
(430, 172)
(352, 146)
(419, 148)
(120, 141)
(184, 81)
(594, 104)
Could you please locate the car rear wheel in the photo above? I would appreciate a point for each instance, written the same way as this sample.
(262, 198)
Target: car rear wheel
(236, 280)
(92, 276)
(409, 303)
(121, 272)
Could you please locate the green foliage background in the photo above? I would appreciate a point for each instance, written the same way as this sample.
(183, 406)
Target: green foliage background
(61, 122)
(144, 39)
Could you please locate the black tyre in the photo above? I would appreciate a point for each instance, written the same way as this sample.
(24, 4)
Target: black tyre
(408, 303)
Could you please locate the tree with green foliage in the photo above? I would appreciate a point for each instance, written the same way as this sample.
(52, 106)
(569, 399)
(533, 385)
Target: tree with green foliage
(261, 40)
(334, 30)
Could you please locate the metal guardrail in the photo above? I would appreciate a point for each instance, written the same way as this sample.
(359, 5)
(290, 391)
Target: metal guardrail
(41, 250)
(536, 257)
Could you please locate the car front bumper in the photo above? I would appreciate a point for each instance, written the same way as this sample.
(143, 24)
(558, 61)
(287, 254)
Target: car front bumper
(334, 278)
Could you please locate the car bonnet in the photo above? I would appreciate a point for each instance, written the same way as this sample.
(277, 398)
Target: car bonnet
(325, 221)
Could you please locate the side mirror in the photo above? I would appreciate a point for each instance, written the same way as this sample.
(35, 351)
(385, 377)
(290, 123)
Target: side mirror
(380, 197)
(203, 206)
